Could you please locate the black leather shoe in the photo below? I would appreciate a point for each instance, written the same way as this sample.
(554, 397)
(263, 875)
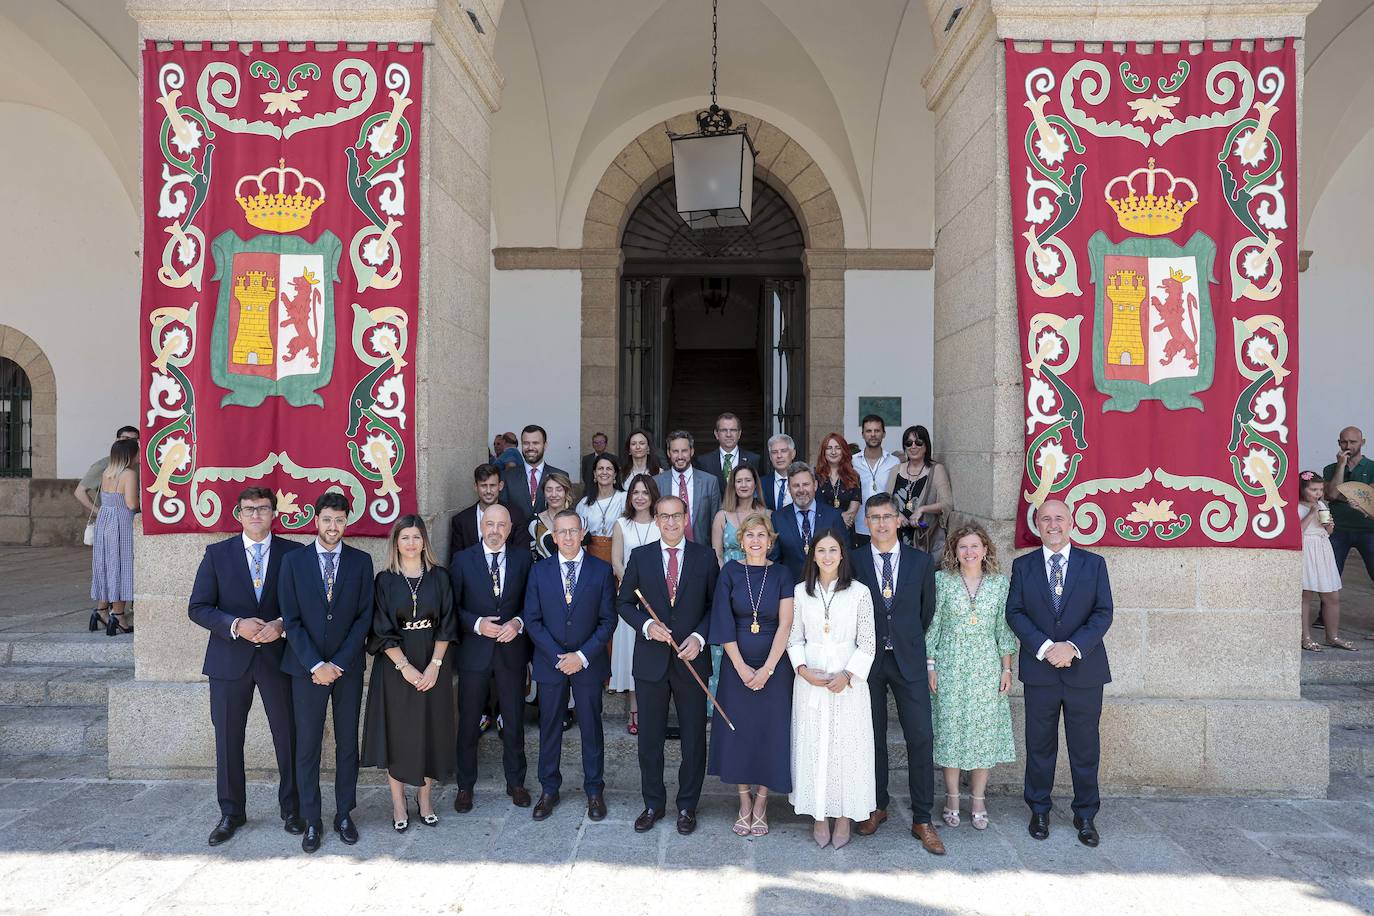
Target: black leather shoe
(311, 841)
(1087, 833)
(544, 807)
(462, 802)
(1039, 826)
(346, 829)
(646, 820)
(293, 824)
(596, 807)
(226, 828)
(686, 822)
(568, 719)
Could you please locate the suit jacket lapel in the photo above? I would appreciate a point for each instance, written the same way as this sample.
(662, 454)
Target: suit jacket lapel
(1041, 577)
(1072, 574)
(269, 582)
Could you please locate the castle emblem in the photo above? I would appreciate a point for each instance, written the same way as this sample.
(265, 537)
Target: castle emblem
(274, 324)
(279, 211)
(1151, 213)
(1154, 335)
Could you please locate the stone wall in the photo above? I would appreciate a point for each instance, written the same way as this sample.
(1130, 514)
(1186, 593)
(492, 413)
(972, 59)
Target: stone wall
(40, 512)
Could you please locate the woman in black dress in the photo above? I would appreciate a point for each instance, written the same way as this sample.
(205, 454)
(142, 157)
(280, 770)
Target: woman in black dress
(751, 618)
(409, 728)
(837, 483)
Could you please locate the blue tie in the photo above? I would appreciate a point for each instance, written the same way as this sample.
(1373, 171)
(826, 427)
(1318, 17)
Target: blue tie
(257, 570)
(887, 597)
(806, 529)
(569, 580)
(1056, 581)
(782, 491)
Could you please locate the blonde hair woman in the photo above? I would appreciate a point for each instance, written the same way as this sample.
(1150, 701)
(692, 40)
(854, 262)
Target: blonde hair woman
(409, 729)
(970, 646)
(558, 489)
(112, 554)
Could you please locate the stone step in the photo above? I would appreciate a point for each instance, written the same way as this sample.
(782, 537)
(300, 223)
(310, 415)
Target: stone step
(1333, 666)
(1349, 704)
(57, 731)
(67, 650)
(1352, 751)
(52, 685)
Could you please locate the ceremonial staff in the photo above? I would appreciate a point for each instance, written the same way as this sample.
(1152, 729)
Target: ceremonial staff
(672, 642)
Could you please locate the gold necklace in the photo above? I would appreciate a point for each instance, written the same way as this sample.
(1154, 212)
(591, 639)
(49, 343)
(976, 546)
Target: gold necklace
(826, 604)
(972, 597)
(753, 604)
(414, 592)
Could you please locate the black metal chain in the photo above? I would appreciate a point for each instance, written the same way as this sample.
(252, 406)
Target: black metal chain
(713, 50)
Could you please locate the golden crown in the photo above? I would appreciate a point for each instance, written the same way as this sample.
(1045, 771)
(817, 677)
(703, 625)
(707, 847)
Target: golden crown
(1151, 213)
(279, 211)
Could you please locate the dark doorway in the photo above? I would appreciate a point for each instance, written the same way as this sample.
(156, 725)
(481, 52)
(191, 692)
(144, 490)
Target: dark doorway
(713, 321)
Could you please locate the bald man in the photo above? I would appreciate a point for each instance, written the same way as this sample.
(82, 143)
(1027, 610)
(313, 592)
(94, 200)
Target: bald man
(1353, 527)
(1060, 607)
(489, 591)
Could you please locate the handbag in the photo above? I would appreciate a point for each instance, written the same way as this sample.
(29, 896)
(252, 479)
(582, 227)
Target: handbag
(88, 537)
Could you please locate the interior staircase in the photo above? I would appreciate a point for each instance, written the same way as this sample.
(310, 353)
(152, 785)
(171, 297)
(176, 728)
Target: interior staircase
(707, 383)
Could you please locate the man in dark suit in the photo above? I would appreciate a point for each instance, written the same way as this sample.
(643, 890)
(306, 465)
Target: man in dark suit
(599, 442)
(678, 578)
(569, 616)
(902, 582)
(235, 598)
(489, 590)
(524, 484)
(722, 461)
(465, 528)
(782, 451)
(800, 523)
(1060, 607)
(326, 604)
(700, 491)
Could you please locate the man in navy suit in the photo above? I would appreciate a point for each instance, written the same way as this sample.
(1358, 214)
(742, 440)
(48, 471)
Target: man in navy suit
(782, 451)
(901, 580)
(489, 590)
(569, 616)
(722, 461)
(465, 528)
(1060, 606)
(524, 483)
(326, 604)
(678, 578)
(799, 524)
(235, 598)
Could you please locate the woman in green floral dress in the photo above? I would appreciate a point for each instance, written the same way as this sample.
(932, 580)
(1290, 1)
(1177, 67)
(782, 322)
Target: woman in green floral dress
(970, 646)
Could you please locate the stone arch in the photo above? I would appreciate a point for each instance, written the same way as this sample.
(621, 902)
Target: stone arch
(645, 162)
(16, 345)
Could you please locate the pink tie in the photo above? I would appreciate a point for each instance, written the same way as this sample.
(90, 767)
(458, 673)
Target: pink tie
(672, 574)
(686, 506)
(534, 487)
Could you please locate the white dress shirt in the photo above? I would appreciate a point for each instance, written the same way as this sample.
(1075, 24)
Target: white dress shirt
(872, 479)
(734, 460)
(681, 548)
(1046, 553)
(266, 558)
(786, 491)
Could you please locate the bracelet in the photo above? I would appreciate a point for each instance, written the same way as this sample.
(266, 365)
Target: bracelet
(436, 662)
(401, 666)
(1006, 671)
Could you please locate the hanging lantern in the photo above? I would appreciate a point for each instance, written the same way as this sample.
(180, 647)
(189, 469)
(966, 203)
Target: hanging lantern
(713, 168)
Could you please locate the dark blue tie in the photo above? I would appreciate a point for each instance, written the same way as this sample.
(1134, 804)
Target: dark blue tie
(569, 580)
(887, 598)
(782, 491)
(1056, 581)
(329, 576)
(806, 529)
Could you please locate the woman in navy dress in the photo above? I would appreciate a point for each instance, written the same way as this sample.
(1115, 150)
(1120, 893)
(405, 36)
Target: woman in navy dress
(751, 619)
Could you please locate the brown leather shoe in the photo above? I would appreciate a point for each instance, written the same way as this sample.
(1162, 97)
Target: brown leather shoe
(929, 838)
(596, 807)
(686, 822)
(519, 796)
(544, 807)
(870, 826)
(462, 802)
(646, 820)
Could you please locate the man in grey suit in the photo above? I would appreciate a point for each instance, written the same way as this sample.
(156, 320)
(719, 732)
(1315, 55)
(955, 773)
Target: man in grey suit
(700, 491)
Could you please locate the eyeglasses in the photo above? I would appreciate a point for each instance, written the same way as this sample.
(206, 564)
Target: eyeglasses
(885, 517)
(255, 510)
(671, 517)
(566, 532)
(910, 442)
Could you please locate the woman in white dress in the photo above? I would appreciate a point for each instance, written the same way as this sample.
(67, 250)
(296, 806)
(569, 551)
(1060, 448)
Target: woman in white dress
(832, 648)
(634, 528)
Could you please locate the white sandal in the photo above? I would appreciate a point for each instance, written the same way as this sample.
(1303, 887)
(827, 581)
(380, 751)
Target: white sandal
(980, 818)
(951, 816)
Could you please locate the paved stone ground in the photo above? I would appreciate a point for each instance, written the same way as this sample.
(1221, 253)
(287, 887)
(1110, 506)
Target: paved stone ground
(82, 845)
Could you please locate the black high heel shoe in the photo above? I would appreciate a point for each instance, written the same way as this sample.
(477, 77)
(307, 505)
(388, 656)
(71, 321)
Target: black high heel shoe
(114, 627)
(96, 622)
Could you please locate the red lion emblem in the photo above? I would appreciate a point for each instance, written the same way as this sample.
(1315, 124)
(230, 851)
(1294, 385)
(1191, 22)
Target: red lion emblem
(1171, 319)
(300, 317)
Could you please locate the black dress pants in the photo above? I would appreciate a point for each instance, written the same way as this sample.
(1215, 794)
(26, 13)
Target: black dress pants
(690, 702)
(509, 686)
(913, 711)
(312, 702)
(231, 699)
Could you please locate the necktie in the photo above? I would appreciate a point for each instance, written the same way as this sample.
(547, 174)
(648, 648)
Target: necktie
(569, 580)
(1056, 581)
(495, 577)
(672, 574)
(728, 465)
(887, 598)
(686, 506)
(534, 486)
(806, 529)
(257, 570)
(782, 493)
(329, 576)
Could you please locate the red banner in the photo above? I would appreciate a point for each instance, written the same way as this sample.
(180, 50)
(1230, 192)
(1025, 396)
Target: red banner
(281, 269)
(1154, 211)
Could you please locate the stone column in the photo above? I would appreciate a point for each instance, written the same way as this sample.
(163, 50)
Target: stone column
(600, 342)
(160, 723)
(1204, 646)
